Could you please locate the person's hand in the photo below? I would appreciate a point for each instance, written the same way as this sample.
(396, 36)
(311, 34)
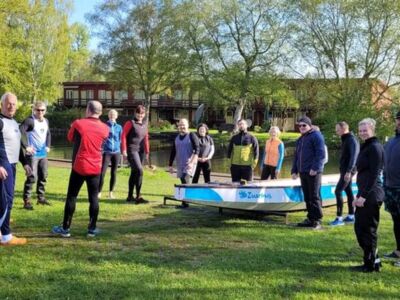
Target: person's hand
(30, 150)
(347, 176)
(359, 202)
(3, 173)
(47, 149)
(313, 173)
(171, 169)
(124, 154)
(277, 173)
(28, 170)
(294, 176)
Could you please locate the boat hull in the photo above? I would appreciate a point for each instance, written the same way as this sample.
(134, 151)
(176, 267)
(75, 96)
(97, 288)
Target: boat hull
(267, 196)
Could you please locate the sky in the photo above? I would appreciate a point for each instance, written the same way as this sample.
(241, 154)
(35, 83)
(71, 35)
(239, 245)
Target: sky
(82, 7)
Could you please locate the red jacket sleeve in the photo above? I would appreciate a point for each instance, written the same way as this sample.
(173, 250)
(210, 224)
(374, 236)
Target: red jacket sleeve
(125, 131)
(71, 132)
(146, 143)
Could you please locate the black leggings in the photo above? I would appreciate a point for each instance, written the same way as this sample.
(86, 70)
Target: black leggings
(206, 168)
(135, 179)
(114, 159)
(341, 186)
(75, 183)
(396, 229)
(268, 171)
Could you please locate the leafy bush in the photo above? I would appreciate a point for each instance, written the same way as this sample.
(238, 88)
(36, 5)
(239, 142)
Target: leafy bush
(63, 118)
(162, 125)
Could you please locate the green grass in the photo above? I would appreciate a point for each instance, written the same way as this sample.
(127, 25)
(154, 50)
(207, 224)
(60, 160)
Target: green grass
(158, 252)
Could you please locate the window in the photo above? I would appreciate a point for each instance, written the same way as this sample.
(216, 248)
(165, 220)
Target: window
(121, 95)
(139, 95)
(178, 95)
(71, 94)
(87, 95)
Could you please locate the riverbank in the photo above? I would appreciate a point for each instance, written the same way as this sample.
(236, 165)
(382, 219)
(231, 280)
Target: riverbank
(159, 252)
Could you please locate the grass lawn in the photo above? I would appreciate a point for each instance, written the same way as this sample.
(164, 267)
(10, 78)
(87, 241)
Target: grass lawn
(159, 252)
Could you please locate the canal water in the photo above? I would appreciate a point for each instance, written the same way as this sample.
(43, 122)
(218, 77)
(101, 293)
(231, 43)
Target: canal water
(160, 150)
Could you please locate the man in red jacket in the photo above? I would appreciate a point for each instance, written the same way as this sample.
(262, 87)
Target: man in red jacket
(88, 135)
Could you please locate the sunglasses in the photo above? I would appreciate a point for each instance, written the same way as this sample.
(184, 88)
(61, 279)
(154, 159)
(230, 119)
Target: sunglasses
(40, 109)
(303, 125)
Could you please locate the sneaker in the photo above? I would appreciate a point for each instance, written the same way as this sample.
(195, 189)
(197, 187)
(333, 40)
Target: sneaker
(140, 200)
(316, 226)
(99, 195)
(111, 195)
(43, 202)
(28, 205)
(92, 233)
(61, 231)
(337, 222)
(130, 199)
(14, 242)
(397, 264)
(182, 206)
(349, 219)
(392, 255)
(305, 223)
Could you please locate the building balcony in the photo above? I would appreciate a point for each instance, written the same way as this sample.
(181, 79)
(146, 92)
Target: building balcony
(129, 103)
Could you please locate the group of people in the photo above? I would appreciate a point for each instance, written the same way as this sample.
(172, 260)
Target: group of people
(96, 145)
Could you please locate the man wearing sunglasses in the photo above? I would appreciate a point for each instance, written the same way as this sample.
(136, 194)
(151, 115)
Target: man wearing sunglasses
(36, 140)
(308, 162)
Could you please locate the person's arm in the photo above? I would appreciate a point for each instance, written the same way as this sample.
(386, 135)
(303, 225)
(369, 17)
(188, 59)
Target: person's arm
(212, 150)
(48, 137)
(26, 126)
(354, 150)
(375, 157)
(319, 146)
(71, 132)
(172, 155)
(281, 150)
(146, 143)
(125, 131)
(256, 151)
(230, 147)
(196, 148)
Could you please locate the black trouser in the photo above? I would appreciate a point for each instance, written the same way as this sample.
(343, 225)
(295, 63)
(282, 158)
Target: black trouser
(136, 178)
(341, 186)
(311, 186)
(39, 173)
(366, 226)
(206, 168)
(268, 171)
(75, 183)
(396, 229)
(185, 178)
(7, 186)
(241, 172)
(114, 159)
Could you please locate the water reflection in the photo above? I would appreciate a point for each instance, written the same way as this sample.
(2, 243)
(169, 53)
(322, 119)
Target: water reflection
(160, 151)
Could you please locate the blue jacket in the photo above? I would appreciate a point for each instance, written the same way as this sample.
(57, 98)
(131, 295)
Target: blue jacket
(113, 142)
(391, 171)
(309, 153)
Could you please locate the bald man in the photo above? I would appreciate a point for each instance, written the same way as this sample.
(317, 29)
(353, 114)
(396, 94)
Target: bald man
(88, 135)
(10, 153)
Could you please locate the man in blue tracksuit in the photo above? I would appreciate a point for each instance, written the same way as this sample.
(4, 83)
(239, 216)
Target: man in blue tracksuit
(36, 139)
(10, 153)
(309, 162)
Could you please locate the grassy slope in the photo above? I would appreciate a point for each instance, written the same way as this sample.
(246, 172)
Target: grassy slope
(157, 252)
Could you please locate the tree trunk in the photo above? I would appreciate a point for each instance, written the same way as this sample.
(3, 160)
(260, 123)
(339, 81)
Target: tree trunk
(147, 106)
(238, 114)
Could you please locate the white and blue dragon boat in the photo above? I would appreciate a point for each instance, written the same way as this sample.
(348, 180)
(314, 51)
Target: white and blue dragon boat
(279, 196)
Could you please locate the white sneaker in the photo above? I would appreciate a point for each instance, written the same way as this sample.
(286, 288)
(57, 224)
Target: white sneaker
(99, 195)
(111, 195)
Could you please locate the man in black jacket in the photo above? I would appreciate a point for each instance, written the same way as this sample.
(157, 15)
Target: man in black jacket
(348, 157)
(392, 187)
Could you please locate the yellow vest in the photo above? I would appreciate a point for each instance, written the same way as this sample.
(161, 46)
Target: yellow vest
(271, 156)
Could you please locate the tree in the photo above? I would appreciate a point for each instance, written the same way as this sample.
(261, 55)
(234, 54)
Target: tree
(232, 42)
(349, 44)
(78, 65)
(140, 46)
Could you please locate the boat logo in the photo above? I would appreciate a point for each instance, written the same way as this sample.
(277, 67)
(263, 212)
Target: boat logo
(254, 195)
